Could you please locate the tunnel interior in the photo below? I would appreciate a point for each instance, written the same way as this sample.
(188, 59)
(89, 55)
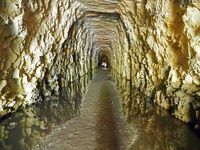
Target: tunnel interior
(46, 46)
(103, 56)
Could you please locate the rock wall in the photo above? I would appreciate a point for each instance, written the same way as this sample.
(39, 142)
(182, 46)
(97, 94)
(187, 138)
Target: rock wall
(163, 57)
(154, 43)
(29, 126)
(151, 122)
(40, 50)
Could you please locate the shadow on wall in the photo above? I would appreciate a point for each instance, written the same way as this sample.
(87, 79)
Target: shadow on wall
(156, 129)
(25, 128)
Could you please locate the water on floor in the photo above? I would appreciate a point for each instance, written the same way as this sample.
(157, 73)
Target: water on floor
(23, 129)
(110, 116)
(156, 129)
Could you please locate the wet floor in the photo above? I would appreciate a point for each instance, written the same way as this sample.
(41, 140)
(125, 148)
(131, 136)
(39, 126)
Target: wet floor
(155, 128)
(25, 128)
(100, 126)
(100, 120)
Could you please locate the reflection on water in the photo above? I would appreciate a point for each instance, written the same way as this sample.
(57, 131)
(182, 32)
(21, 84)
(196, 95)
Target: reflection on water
(25, 128)
(155, 128)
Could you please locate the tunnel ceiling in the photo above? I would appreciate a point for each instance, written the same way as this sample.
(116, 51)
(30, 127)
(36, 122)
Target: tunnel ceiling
(103, 23)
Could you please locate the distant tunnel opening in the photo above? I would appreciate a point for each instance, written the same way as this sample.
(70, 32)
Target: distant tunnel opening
(104, 57)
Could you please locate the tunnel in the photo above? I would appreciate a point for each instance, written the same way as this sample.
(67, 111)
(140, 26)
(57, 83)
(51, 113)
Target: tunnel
(103, 56)
(55, 92)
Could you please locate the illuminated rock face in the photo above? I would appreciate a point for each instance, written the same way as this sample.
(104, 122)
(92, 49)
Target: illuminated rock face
(41, 50)
(46, 45)
(164, 55)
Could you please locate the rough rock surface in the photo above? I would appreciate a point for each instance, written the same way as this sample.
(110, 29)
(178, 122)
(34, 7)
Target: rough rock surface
(155, 43)
(42, 48)
(164, 55)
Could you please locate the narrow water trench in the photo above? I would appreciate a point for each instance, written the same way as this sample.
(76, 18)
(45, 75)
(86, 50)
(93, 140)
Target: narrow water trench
(107, 130)
(102, 119)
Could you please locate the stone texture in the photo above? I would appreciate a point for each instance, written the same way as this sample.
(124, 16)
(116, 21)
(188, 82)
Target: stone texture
(25, 128)
(46, 45)
(154, 125)
(164, 55)
(40, 50)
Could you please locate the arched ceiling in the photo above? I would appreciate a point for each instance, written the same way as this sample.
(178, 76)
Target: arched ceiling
(104, 24)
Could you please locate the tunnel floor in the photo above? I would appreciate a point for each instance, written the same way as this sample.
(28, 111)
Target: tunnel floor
(95, 121)
(100, 125)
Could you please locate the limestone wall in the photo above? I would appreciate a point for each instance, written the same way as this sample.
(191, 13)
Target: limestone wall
(164, 54)
(154, 43)
(40, 50)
